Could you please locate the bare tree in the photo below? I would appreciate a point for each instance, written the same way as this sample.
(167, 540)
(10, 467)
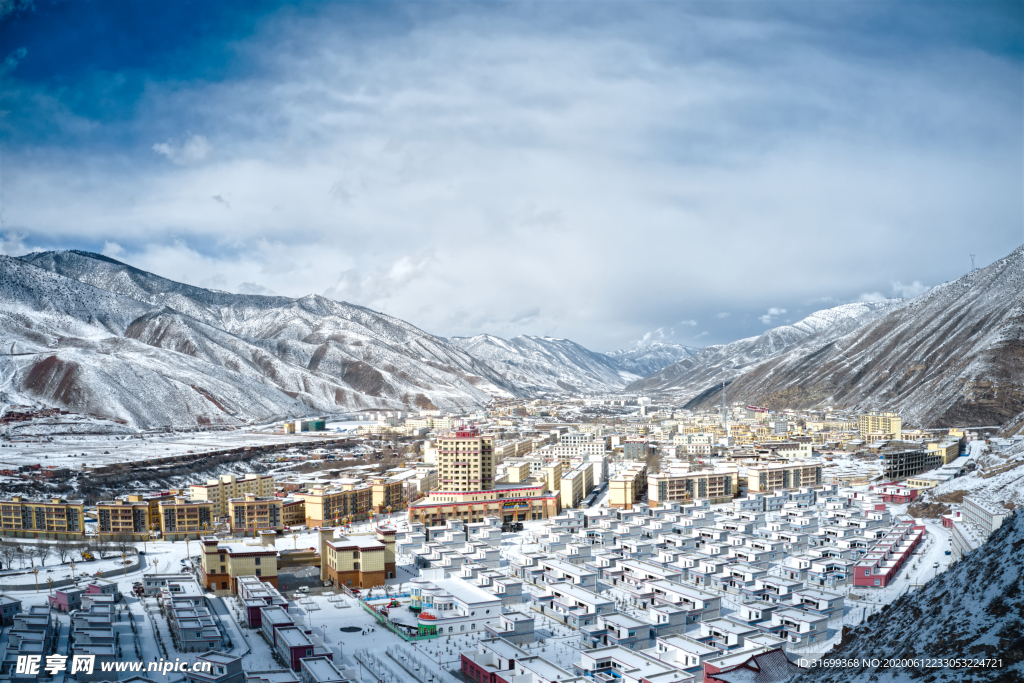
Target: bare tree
(8, 552)
(64, 549)
(22, 554)
(41, 551)
(125, 544)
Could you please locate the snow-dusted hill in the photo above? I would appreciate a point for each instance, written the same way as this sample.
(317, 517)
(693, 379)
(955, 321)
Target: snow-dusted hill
(712, 365)
(152, 352)
(974, 610)
(952, 356)
(546, 364)
(648, 359)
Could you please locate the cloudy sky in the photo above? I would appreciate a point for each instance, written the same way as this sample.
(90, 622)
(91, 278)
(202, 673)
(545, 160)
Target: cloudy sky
(608, 172)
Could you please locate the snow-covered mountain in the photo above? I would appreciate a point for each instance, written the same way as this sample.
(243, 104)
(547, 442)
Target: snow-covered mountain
(712, 365)
(972, 611)
(97, 336)
(649, 358)
(545, 364)
(951, 356)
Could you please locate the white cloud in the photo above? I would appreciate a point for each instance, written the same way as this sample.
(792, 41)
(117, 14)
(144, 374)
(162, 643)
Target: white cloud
(13, 244)
(194, 150)
(112, 249)
(475, 167)
(872, 297)
(910, 291)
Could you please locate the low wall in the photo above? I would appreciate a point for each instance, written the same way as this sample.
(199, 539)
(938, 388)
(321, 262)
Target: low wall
(79, 578)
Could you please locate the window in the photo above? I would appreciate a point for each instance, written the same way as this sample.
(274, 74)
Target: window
(462, 627)
(219, 670)
(258, 573)
(472, 626)
(257, 560)
(878, 582)
(309, 653)
(355, 554)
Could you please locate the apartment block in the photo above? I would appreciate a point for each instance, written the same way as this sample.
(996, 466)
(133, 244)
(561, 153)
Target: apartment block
(181, 517)
(576, 484)
(508, 502)
(293, 512)
(124, 516)
(465, 461)
(387, 495)
(781, 476)
(220, 491)
(676, 486)
(627, 486)
(351, 502)
(357, 561)
(223, 563)
(57, 518)
(250, 513)
(877, 426)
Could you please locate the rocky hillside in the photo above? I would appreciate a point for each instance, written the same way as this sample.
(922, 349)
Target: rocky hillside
(99, 337)
(648, 359)
(709, 367)
(974, 610)
(953, 356)
(545, 364)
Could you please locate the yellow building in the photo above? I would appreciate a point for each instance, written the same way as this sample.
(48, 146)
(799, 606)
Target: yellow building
(351, 502)
(510, 502)
(576, 484)
(950, 450)
(220, 491)
(516, 472)
(293, 512)
(921, 482)
(357, 561)
(781, 476)
(465, 461)
(387, 495)
(880, 426)
(123, 516)
(222, 563)
(676, 486)
(57, 518)
(251, 514)
(181, 517)
(627, 486)
(551, 475)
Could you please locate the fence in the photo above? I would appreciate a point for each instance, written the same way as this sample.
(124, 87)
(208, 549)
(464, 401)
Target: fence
(63, 583)
(384, 621)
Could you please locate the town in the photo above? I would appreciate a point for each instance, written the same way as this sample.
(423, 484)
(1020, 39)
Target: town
(544, 540)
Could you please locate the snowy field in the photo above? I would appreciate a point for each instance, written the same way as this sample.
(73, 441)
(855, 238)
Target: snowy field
(74, 451)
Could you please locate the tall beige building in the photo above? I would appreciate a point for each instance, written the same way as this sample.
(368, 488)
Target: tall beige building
(465, 461)
(881, 426)
(220, 491)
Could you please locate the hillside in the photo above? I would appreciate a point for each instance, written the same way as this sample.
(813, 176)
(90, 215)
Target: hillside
(648, 359)
(544, 364)
(973, 610)
(226, 359)
(712, 365)
(952, 356)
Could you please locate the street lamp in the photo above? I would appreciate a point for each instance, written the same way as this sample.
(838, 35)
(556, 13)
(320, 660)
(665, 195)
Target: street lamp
(124, 558)
(35, 570)
(72, 571)
(49, 585)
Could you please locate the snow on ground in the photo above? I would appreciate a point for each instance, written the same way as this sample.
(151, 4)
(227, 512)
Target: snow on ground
(74, 451)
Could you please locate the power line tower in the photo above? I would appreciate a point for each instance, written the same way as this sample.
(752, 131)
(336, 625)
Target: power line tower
(972, 262)
(725, 412)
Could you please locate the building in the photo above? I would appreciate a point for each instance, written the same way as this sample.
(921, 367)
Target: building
(678, 486)
(57, 518)
(9, 608)
(576, 484)
(387, 495)
(352, 502)
(977, 520)
(181, 517)
(216, 667)
(626, 487)
(897, 462)
(357, 561)
(293, 512)
(876, 426)
(508, 502)
(252, 514)
(465, 461)
(452, 606)
(124, 516)
(223, 563)
(770, 477)
(221, 491)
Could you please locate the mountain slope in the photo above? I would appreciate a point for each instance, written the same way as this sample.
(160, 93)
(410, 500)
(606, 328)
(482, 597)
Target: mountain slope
(720, 363)
(231, 359)
(952, 356)
(974, 610)
(546, 364)
(646, 360)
